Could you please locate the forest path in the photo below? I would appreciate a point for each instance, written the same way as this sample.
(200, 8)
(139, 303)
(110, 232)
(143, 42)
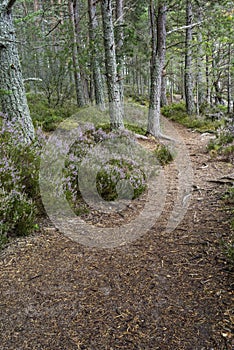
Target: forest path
(163, 291)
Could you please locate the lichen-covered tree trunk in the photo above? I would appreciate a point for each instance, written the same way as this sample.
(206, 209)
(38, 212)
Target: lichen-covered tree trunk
(12, 92)
(115, 106)
(157, 64)
(75, 57)
(188, 79)
(97, 77)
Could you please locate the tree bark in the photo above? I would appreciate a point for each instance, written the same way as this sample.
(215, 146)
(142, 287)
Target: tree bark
(200, 90)
(229, 80)
(188, 81)
(208, 92)
(164, 101)
(115, 106)
(75, 57)
(119, 46)
(97, 78)
(157, 64)
(12, 92)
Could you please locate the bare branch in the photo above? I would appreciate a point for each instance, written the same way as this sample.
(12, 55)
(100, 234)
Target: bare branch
(175, 44)
(184, 27)
(32, 79)
(56, 25)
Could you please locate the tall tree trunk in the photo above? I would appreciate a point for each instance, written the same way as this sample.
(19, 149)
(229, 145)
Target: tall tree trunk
(208, 92)
(229, 80)
(12, 91)
(75, 57)
(97, 78)
(115, 105)
(158, 44)
(200, 90)
(119, 46)
(164, 101)
(188, 81)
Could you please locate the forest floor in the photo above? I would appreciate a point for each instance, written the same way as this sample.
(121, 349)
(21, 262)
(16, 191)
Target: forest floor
(162, 291)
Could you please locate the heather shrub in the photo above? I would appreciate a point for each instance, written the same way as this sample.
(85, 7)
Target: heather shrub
(163, 154)
(19, 171)
(17, 213)
(112, 178)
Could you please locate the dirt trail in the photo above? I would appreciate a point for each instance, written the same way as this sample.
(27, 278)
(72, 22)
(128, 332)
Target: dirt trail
(163, 291)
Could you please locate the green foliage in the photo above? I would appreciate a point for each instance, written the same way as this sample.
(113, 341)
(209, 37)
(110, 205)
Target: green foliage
(120, 179)
(229, 196)
(17, 213)
(116, 178)
(222, 145)
(177, 113)
(131, 127)
(136, 129)
(163, 154)
(140, 99)
(3, 241)
(104, 126)
(46, 117)
(5, 92)
(228, 246)
(19, 171)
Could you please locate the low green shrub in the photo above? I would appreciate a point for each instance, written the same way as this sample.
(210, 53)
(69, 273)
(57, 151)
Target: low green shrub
(136, 129)
(163, 154)
(177, 112)
(228, 246)
(45, 116)
(222, 145)
(131, 127)
(17, 213)
(3, 241)
(120, 179)
(114, 177)
(228, 196)
(19, 172)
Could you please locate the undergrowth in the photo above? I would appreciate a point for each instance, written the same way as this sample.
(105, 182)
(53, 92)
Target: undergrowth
(163, 154)
(120, 176)
(45, 116)
(228, 246)
(19, 171)
(222, 145)
(177, 112)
